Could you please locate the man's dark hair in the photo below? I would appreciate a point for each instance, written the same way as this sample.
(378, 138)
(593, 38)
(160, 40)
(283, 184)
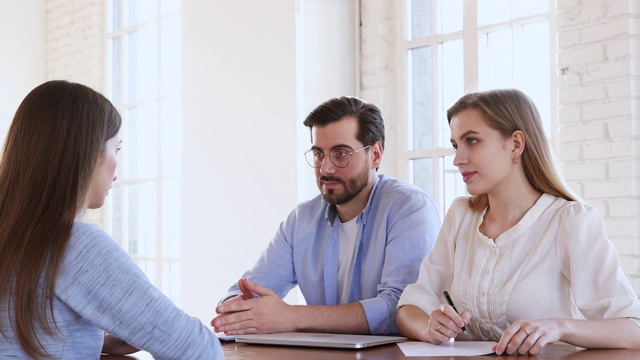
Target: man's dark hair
(370, 123)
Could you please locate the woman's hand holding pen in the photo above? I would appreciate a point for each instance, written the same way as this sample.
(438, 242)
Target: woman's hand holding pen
(445, 323)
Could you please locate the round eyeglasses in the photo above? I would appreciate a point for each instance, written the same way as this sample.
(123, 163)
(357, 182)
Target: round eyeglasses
(339, 157)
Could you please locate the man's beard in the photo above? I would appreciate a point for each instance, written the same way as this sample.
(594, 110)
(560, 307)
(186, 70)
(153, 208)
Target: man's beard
(352, 187)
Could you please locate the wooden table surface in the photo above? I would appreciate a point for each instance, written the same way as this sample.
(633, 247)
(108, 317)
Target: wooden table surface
(235, 351)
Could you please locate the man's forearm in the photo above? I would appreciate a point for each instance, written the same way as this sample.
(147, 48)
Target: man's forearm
(348, 318)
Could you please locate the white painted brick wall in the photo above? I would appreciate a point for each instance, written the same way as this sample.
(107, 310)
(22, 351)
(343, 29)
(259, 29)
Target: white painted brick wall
(585, 93)
(620, 88)
(608, 30)
(568, 153)
(577, 187)
(605, 189)
(612, 69)
(580, 132)
(582, 56)
(602, 206)
(618, 8)
(616, 49)
(569, 38)
(569, 114)
(598, 105)
(581, 15)
(75, 50)
(620, 208)
(623, 168)
(597, 169)
(567, 4)
(378, 70)
(607, 149)
(608, 108)
(599, 135)
(74, 41)
(621, 128)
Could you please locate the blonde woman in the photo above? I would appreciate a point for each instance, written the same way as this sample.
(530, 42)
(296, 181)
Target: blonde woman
(525, 263)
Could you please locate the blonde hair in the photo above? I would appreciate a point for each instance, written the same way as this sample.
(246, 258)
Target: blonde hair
(509, 110)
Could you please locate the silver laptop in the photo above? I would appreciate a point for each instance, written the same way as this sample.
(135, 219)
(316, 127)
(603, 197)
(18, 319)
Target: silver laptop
(344, 341)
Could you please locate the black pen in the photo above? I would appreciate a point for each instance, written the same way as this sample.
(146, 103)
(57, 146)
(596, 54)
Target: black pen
(450, 302)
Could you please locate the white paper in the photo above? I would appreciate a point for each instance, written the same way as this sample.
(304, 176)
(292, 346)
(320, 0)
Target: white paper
(452, 348)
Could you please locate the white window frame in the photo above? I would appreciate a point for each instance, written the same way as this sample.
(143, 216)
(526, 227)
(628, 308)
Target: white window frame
(165, 260)
(471, 35)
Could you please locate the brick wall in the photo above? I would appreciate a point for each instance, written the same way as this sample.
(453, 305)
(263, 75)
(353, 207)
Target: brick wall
(598, 104)
(378, 70)
(74, 49)
(74, 41)
(599, 142)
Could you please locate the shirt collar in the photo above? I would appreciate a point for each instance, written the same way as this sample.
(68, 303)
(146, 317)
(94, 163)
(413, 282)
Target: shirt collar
(331, 212)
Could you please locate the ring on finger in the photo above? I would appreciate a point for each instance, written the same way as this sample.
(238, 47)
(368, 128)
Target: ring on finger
(527, 331)
(438, 328)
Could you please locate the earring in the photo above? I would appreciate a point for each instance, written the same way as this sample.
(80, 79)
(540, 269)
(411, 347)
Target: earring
(515, 160)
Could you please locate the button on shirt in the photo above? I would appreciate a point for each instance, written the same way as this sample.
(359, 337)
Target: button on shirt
(396, 230)
(555, 263)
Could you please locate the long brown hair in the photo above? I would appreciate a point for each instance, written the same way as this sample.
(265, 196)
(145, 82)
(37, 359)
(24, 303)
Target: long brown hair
(508, 110)
(50, 153)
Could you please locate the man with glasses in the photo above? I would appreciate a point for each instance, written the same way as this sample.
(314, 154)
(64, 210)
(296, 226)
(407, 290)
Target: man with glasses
(351, 250)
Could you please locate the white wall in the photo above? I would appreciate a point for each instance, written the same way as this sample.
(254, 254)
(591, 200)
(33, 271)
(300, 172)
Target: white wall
(379, 78)
(327, 57)
(22, 65)
(252, 71)
(599, 109)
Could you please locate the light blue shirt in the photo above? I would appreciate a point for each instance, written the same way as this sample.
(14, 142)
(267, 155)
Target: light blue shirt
(99, 288)
(396, 230)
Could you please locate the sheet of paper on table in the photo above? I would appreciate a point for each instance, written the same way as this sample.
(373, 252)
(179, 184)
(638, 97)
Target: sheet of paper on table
(452, 348)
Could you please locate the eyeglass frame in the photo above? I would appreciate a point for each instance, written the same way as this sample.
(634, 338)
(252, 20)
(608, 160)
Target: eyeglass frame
(324, 156)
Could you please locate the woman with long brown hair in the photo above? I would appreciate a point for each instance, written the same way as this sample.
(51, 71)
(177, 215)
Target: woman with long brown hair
(525, 262)
(65, 283)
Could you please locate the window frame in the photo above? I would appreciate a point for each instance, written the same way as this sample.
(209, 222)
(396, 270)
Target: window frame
(165, 270)
(471, 35)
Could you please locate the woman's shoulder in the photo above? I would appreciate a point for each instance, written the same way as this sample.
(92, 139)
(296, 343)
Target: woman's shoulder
(91, 253)
(578, 225)
(81, 228)
(88, 238)
(461, 201)
(568, 209)
(460, 205)
(460, 212)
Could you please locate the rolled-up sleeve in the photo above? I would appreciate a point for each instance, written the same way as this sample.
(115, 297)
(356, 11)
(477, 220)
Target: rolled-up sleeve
(274, 268)
(413, 224)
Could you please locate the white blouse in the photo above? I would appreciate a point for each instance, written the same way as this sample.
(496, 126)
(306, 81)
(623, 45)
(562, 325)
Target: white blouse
(557, 262)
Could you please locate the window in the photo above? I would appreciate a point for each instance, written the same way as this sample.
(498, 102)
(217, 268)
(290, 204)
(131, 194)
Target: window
(144, 81)
(452, 47)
